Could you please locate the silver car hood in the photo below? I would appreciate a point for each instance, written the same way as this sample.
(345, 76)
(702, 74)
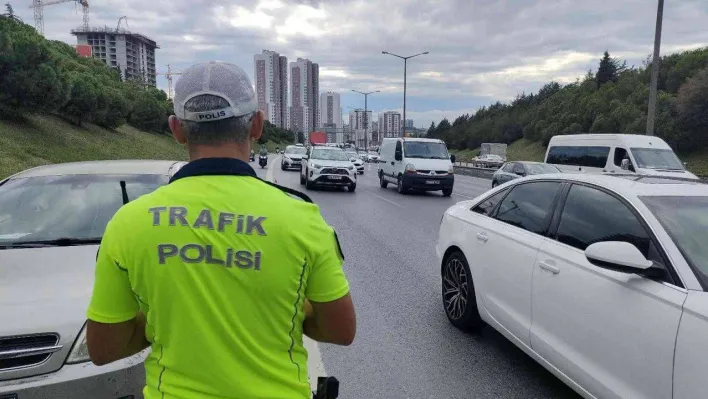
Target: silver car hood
(45, 290)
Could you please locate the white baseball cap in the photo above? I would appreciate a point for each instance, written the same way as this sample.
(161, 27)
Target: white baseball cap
(221, 79)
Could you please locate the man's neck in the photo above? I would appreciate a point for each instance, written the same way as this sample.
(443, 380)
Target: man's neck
(223, 151)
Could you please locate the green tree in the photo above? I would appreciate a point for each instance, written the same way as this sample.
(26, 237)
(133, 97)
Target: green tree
(609, 70)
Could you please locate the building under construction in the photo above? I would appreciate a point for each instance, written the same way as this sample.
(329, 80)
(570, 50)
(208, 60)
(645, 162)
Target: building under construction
(132, 53)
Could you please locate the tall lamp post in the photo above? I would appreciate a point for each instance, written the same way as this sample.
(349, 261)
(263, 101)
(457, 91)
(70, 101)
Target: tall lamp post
(651, 113)
(366, 116)
(405, 66)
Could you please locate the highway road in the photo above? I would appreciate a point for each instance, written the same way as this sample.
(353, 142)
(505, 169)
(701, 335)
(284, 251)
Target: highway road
(405, 347)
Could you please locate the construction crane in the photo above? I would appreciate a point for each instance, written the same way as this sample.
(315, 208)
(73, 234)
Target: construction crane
(169, 75)
(39, 5)
(124, 17)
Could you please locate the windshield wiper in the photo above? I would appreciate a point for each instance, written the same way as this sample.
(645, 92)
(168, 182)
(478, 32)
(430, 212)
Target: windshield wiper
(58, 242)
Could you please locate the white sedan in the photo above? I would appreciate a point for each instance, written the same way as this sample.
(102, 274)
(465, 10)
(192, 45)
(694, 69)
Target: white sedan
(601, 279)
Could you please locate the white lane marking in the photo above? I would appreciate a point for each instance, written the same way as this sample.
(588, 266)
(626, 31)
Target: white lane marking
(270, 173)
(462, 195)
(384, 199)
(315, 365)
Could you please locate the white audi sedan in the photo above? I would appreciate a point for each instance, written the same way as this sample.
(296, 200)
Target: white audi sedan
(601, 279)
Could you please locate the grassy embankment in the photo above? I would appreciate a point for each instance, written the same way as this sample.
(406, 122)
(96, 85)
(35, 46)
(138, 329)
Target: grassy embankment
(45, 139)
(525, 150)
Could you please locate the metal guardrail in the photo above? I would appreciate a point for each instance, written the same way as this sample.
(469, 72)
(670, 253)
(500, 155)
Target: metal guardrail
(467, 168)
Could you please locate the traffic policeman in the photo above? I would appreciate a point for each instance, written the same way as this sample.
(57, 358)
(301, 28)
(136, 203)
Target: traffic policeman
(219, 272)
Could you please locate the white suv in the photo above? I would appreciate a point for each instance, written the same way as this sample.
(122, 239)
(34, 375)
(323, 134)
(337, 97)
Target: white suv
(327, 166)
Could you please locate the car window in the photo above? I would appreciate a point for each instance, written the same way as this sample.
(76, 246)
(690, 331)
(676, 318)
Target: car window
(594, 157)
(487, 206)
(685, 219)
(541, 168)
(590, 215)
(71, 206)
(509, 168)
(528, 206)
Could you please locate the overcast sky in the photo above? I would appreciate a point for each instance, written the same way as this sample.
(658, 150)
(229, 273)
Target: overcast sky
(481, 51)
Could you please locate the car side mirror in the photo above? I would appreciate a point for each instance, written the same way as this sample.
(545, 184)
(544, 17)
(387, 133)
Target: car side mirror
(452, 158)
(625, 164)
(621, 257)
(398, 156)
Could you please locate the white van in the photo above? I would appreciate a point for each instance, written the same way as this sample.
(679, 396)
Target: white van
(615, 153)
(416, 164)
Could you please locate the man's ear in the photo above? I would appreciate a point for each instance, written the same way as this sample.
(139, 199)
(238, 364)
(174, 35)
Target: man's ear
(256, 130)
(177, 129)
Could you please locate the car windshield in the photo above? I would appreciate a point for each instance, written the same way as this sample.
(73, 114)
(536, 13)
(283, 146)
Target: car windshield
(685, 219)
(73, 206)
(541, 168)
(329, 154)
(296, 150)
(423, 149)
(654, 158)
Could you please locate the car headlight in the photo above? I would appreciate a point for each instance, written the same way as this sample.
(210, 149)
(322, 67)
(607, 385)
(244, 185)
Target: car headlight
(451, 170)
(287, 159)
(79, 352)
(316, 166)
(350, 167)
(410, 168)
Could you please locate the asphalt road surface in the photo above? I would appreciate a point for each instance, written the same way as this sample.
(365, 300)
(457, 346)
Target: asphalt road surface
(405, 347)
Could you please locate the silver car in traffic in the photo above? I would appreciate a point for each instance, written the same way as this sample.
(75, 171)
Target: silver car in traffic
(52, 219)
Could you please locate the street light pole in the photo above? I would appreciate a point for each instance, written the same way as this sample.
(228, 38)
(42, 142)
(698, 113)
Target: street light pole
(405, 75)
(366, 116)
(651, 113)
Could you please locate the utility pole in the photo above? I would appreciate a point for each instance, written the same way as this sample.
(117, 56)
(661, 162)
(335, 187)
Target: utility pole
(405, 74)
(651, 113)
(366, 116)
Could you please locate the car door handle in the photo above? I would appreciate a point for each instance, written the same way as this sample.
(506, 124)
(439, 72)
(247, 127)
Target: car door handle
(548, 267)
(482, 237)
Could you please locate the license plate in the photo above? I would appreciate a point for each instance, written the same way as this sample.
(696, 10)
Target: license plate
(335, 177)
(432, 182)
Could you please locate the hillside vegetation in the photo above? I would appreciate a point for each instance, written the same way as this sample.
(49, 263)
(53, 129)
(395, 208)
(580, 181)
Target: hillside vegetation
(43, 140)
(109, 117)
(614, 99)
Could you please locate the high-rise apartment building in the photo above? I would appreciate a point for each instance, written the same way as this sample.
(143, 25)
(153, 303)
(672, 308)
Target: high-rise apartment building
(330, 110)
(358, 122)
(271, 78)
(409, 123)
(305, 93)
(390, 124)
(131, 53)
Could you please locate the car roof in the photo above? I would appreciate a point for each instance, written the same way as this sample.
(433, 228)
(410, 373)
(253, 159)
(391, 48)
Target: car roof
(633, 185)
(124, 167)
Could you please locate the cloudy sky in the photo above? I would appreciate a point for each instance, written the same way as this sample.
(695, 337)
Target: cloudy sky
(481, 51)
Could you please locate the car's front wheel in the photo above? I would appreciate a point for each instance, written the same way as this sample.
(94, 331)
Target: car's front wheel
(302, 178)
(458, 295)
(399, 186)
(447, 192)
(494, 183)
(351, 187)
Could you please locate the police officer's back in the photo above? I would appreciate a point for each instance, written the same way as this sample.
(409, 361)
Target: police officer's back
(214, 271)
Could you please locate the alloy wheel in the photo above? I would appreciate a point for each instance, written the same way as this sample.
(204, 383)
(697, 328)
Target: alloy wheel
(455, 288)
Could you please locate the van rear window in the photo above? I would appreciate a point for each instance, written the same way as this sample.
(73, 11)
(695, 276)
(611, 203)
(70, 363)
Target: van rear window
(591, 157)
